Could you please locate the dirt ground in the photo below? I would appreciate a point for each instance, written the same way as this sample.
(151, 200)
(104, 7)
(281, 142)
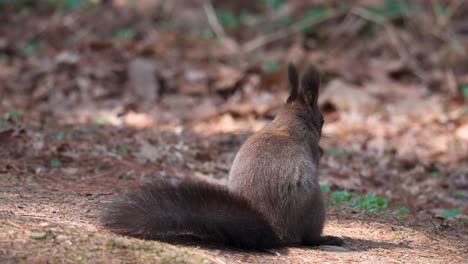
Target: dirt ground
(98, 101)
(55, 216)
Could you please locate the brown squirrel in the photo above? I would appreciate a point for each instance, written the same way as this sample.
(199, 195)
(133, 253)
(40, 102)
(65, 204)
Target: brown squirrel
(273, 197)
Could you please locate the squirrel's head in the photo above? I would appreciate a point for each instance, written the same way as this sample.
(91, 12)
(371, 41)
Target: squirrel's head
(305, 95)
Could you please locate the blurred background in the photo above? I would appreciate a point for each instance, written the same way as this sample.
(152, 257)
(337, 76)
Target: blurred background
(105, 94)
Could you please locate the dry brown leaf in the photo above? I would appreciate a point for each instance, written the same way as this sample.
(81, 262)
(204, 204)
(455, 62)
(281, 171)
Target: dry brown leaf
(346, 97)
(142, 79)
(227, 77)
(206, 109)
(462, 132)
(140, 120)
(6, 134)
(148, 152)
(193, 82)
(67, 58)
(423, 109)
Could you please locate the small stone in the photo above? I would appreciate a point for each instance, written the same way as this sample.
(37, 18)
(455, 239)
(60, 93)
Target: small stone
(38, 235)
(334, 248)
(44, 224)
(462, 132)
(61, 238)
(67, 58)
(142, 79)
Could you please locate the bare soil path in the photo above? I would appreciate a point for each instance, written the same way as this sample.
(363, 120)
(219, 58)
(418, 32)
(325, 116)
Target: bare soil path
(50, 214)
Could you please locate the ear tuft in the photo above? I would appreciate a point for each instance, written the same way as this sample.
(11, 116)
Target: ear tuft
(293, 82)
(310, 85)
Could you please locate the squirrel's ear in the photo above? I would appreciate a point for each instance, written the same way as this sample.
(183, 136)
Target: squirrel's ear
(310, 86)
(293, 82)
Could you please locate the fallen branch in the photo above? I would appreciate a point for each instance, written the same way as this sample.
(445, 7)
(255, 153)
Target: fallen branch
(285, 32)
(444, 20)
(394, 41)
(213, 20)
(217, 27)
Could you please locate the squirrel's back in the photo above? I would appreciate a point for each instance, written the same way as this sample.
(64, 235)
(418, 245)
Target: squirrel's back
(277, 168)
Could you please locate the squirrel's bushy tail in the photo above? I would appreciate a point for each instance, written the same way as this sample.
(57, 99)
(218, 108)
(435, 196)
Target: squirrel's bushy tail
(188, 212)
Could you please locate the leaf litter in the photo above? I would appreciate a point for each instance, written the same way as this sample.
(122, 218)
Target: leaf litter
(181, 104)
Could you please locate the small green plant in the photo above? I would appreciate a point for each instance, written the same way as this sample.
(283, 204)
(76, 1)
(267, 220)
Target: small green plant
(14, 178)
(29, 180)
(71, 4)
(392, 9)
(434, 174)
(341, 197)
(14, 115)
(228, 19)
(5, 58)
(442, 10)
(5, 2)
(335, 153)
(371, 203)
(451, 213)
(60, 136)
(464, 90)
(102, 120)
(461, 194)
(75, 4)
(125, 177)
(286, 20)
(4, 123)
(55, 162)
(274, 4)
(272, 66)
(125, 33)
(404, 210)
(123, 150)
(32, 48)
(325, 188)
(403, 213)
(313, 16)
(168, 25)
(202, 33)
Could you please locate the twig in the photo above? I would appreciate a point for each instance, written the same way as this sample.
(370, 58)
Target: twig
(213, 20)
(283, 33)
(394, 41)
(443, 31)
(398, 220)
(258, 22)
(452, 8)
(217, 27)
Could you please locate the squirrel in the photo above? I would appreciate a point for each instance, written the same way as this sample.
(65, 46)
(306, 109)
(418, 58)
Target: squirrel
(273, 198)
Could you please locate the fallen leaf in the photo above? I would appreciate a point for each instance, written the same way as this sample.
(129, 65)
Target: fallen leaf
(142, 79)
(346, 97)
(148, 152)
(205, 110)
(138, 119)
(462, 132)
(424, 109)
(227, 77)
(67, 58)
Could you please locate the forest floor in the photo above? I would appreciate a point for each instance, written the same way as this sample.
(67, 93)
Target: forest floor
(93, 109)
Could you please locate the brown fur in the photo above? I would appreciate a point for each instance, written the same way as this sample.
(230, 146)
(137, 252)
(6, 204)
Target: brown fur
(277, 168)
(273, 198)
